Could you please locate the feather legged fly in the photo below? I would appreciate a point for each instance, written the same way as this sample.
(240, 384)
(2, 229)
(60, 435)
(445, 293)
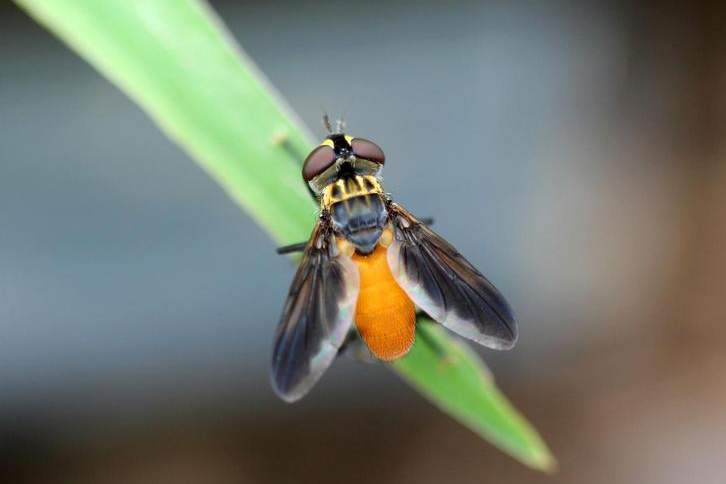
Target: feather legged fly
(367, 265)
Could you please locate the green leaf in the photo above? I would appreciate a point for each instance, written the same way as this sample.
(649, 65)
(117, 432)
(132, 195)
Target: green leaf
(177, 61)
(454, 378)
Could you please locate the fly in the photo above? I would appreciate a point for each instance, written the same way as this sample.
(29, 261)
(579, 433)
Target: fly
(366, 267)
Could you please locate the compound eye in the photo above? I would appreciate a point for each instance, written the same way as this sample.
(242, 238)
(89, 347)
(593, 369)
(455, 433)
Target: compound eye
(368, 150)
(319, 160)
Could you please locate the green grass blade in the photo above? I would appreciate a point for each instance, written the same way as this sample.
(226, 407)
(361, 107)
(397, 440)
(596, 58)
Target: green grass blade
(177, 61)
(462, 386)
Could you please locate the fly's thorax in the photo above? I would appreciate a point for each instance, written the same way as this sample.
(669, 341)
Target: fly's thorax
(348, 187)
(357, 210)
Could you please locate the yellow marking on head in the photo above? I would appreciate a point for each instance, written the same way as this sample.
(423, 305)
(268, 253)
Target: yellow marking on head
(328, 142)
(348, 138)
(340, 190)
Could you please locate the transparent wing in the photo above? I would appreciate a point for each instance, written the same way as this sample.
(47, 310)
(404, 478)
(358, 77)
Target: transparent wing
(316, 317)
(445, 285)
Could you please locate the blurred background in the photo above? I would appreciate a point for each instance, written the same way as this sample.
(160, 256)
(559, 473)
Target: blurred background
(573, 151)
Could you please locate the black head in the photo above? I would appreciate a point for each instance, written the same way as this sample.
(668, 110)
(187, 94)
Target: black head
(341, 154)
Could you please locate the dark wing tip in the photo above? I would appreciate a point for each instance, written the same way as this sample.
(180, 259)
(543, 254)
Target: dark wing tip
(504, 337)
(289, 394)
(502, 343)
(287, 383)
(508, 322)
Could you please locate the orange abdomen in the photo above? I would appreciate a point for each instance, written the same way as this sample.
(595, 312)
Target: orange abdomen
(385, 315)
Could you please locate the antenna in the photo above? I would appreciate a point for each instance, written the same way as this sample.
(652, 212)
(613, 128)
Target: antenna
(326, 122)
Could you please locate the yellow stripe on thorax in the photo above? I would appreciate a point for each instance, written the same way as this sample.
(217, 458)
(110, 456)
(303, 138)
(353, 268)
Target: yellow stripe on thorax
(350, 187)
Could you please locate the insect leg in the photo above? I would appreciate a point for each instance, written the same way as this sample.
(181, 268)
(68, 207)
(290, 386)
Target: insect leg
(288, 249)
(427, 221)
(355, 348)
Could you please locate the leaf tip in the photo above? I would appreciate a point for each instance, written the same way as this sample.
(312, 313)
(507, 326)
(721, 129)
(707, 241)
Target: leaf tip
(542, 460)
